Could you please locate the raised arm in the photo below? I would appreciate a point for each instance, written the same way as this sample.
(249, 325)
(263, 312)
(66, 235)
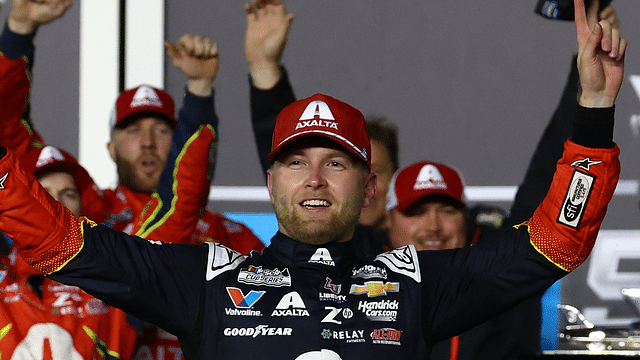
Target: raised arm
(16, 62)
(268, 25)
(601, 53)
(184, 184)
(542, 165)
(566, 224)
(197, 58)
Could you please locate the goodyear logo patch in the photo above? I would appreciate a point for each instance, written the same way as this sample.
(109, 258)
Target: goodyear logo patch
(576, 199)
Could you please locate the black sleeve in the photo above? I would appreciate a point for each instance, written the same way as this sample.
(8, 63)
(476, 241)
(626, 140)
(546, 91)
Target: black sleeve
(542, 166)
(265, 107)
(160, 283)
(15, 45)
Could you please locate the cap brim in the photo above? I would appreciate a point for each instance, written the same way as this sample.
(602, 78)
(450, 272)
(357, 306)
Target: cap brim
(349, 146)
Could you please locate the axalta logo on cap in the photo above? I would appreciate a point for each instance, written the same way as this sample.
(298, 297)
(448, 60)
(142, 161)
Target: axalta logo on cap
(48, 155)
(145, 96)
(429, 178)
(317, 113)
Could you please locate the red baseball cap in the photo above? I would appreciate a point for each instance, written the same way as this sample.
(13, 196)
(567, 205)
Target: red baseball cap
(49, 158)
(421, 179)
(322, 115)
(140, 101)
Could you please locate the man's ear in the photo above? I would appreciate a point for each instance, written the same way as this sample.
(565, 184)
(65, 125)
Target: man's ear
(112, 149)
(270, 183)
(370, 188)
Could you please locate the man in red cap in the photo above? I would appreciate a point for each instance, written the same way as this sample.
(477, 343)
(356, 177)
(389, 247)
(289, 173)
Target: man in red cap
(142, 127)
(426, 207)
(312, 294)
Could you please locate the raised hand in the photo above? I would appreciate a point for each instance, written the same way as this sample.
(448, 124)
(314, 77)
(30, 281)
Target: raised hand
(268, 25)
(197, 57)
(601, 53)
(27, 15)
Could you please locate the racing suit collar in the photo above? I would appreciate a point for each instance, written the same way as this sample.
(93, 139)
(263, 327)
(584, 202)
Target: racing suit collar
(339, 256)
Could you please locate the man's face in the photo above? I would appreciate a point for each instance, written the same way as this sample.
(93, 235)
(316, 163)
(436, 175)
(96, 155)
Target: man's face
(140, 152)
(381, 165)
(62, 187)
(429, 225)
(318, 191)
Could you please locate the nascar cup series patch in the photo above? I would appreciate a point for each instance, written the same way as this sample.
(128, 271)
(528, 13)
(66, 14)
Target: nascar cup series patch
(575, 201)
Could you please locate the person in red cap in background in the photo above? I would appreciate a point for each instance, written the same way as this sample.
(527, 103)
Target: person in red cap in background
(312, 293)
(44, 319)
(426, 207)
(143, 126)
(143, 122)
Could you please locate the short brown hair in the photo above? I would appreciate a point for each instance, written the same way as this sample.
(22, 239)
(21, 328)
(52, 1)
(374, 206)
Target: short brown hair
(383, 131)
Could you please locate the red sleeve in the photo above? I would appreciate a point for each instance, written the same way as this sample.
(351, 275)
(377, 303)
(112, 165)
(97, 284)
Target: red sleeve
(176, 220)
(45, 231)
(16, 132)
(565, 226)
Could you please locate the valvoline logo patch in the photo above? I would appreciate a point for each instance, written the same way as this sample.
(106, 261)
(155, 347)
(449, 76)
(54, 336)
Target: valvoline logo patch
(242, 301)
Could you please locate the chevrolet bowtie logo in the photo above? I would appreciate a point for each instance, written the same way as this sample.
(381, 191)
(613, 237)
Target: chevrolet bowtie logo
(2, 179)
(375, 288)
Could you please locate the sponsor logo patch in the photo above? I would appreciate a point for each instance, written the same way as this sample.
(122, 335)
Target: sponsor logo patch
(221, 259)
(322, 256)
(386, 310)
(291, 304)
(585, 163)
(243, 303)
(429, 178)
(334, 288)
(334, 313)
(317, 113)
(576, 199)
(145, 96)
(322, 123)
(375, 288)
(369, 272)
(332, 297)
(350, 336)
(403, 260)
(260, 330)
(386, 336)
(256, 275)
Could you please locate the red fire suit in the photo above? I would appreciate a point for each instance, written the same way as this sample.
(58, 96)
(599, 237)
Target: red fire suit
(122, 208)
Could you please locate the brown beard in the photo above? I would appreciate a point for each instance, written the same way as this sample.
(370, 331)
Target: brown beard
(311, 231)
(128, 178)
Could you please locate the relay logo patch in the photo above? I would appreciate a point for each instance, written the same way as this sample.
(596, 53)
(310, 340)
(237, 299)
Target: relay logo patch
(242, 301)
